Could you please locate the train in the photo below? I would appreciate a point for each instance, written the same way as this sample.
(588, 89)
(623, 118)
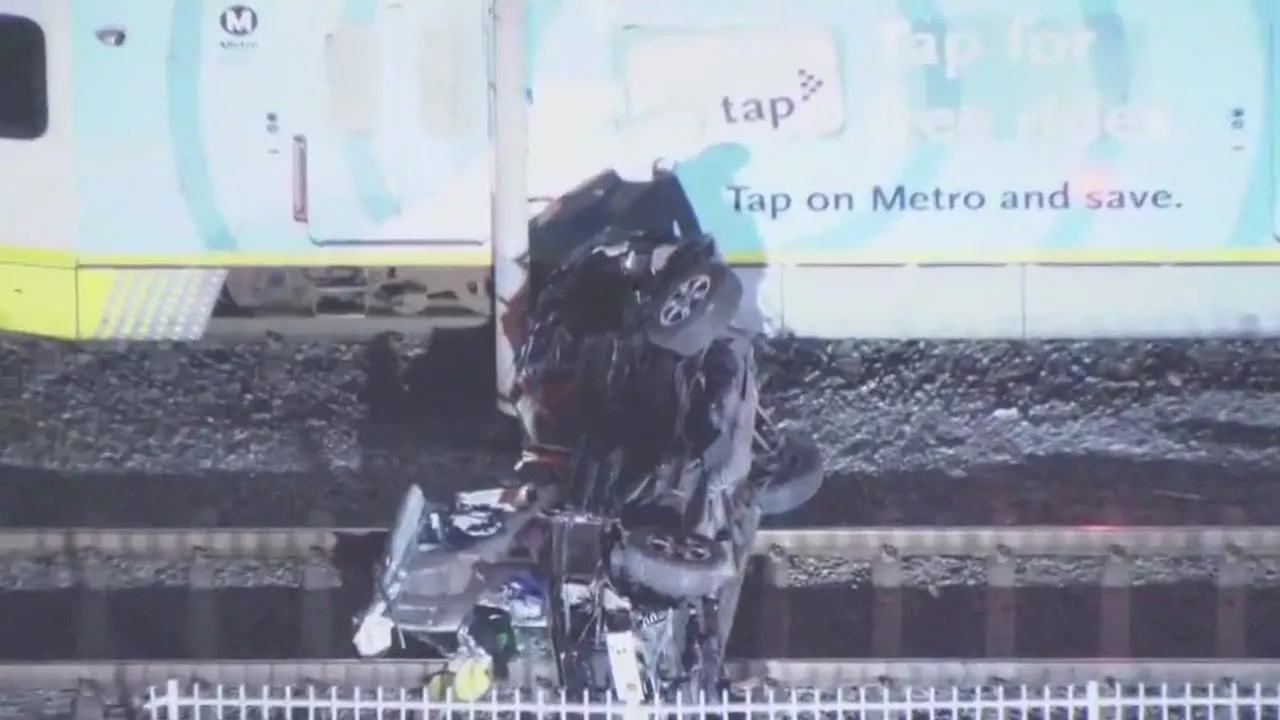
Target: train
(947, 169)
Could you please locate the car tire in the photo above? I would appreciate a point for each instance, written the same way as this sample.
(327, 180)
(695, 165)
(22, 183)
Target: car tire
(493, 537)
(489, 547)
(796, 480)
(675, 564)
(688, 312)
(468, 527)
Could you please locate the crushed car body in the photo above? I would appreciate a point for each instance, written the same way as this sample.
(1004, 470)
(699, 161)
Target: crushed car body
(617, 554)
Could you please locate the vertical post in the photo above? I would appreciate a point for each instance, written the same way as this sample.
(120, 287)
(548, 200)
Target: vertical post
(1002, 604)
(1002, 593)
(510, 185)
(1116, 602)
(88, 703)
(775, 632)
(1234, 576)
(1235, 573)
(554, 565)
(172, 696)
(93, 637)
(887, 601)
(317, 601)
(202, 611)
(1092, 701)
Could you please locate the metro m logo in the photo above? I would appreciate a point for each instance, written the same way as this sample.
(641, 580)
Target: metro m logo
(239, 20)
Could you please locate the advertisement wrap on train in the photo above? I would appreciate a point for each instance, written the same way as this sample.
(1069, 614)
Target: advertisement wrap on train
(948, 169)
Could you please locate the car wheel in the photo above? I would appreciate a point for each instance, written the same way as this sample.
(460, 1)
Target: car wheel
(796, 478)
(476, 523)
(691, 310)
(674, 564)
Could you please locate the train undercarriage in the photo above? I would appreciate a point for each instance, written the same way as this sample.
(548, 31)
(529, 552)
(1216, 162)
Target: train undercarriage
(298, 300)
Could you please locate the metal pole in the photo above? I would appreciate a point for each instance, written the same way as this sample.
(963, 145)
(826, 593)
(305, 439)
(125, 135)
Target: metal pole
(510, 184)
(557, 561)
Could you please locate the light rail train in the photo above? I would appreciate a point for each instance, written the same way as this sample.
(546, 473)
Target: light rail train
(954, 168)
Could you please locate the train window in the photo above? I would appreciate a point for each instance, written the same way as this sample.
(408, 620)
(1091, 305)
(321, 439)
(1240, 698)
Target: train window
(351, 68)
(452, 92)
(24, 94)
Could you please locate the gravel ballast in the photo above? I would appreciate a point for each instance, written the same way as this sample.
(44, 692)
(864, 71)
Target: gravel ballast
(247, 435)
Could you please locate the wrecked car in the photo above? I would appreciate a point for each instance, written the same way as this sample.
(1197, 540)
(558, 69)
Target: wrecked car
(648, 466)
(671, 518)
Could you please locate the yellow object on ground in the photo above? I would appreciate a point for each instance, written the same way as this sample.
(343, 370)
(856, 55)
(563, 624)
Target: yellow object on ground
(473, 678)
(470, 678)
(438, 684)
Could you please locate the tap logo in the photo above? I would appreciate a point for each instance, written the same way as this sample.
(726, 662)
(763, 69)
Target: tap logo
(772, 110)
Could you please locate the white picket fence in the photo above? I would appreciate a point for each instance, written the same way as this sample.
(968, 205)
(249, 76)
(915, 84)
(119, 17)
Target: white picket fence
(1088, 701)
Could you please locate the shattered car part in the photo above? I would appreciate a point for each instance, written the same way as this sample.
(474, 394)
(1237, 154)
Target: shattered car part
(442, 560)
(620, 259)
(649, 464)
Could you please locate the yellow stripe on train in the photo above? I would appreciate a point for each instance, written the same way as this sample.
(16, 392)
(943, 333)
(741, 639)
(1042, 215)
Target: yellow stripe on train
(158, 297)
(72, 296)
(108, 303)
(482, 257)
(781, 256)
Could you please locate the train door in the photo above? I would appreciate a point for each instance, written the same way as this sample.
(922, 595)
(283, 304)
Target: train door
(1273, 126)
(37, 186)
(397, 147)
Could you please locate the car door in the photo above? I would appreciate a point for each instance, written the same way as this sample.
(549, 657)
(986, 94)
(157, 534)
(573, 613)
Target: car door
(402, 542)
(396, 150)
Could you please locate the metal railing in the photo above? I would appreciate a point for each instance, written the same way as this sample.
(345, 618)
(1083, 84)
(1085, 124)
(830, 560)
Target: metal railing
(1085, 701)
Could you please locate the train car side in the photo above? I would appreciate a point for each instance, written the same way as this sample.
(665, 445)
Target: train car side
(255, 160)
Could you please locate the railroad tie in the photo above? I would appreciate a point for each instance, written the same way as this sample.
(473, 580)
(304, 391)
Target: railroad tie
(94, 639)
(1234, 574)
(776, 628)
(886, 604)
(88, 703)
(1117, 603)
(1002, 603)
(202, 604)
(1236, 568)
(316, 603)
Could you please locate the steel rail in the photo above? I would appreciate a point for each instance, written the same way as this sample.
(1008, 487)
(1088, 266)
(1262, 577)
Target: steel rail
(989, 613)
(178, 543)
(368, 675)
(868, 544)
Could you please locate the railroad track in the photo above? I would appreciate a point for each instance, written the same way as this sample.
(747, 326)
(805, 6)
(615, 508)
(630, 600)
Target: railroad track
(843, 632)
